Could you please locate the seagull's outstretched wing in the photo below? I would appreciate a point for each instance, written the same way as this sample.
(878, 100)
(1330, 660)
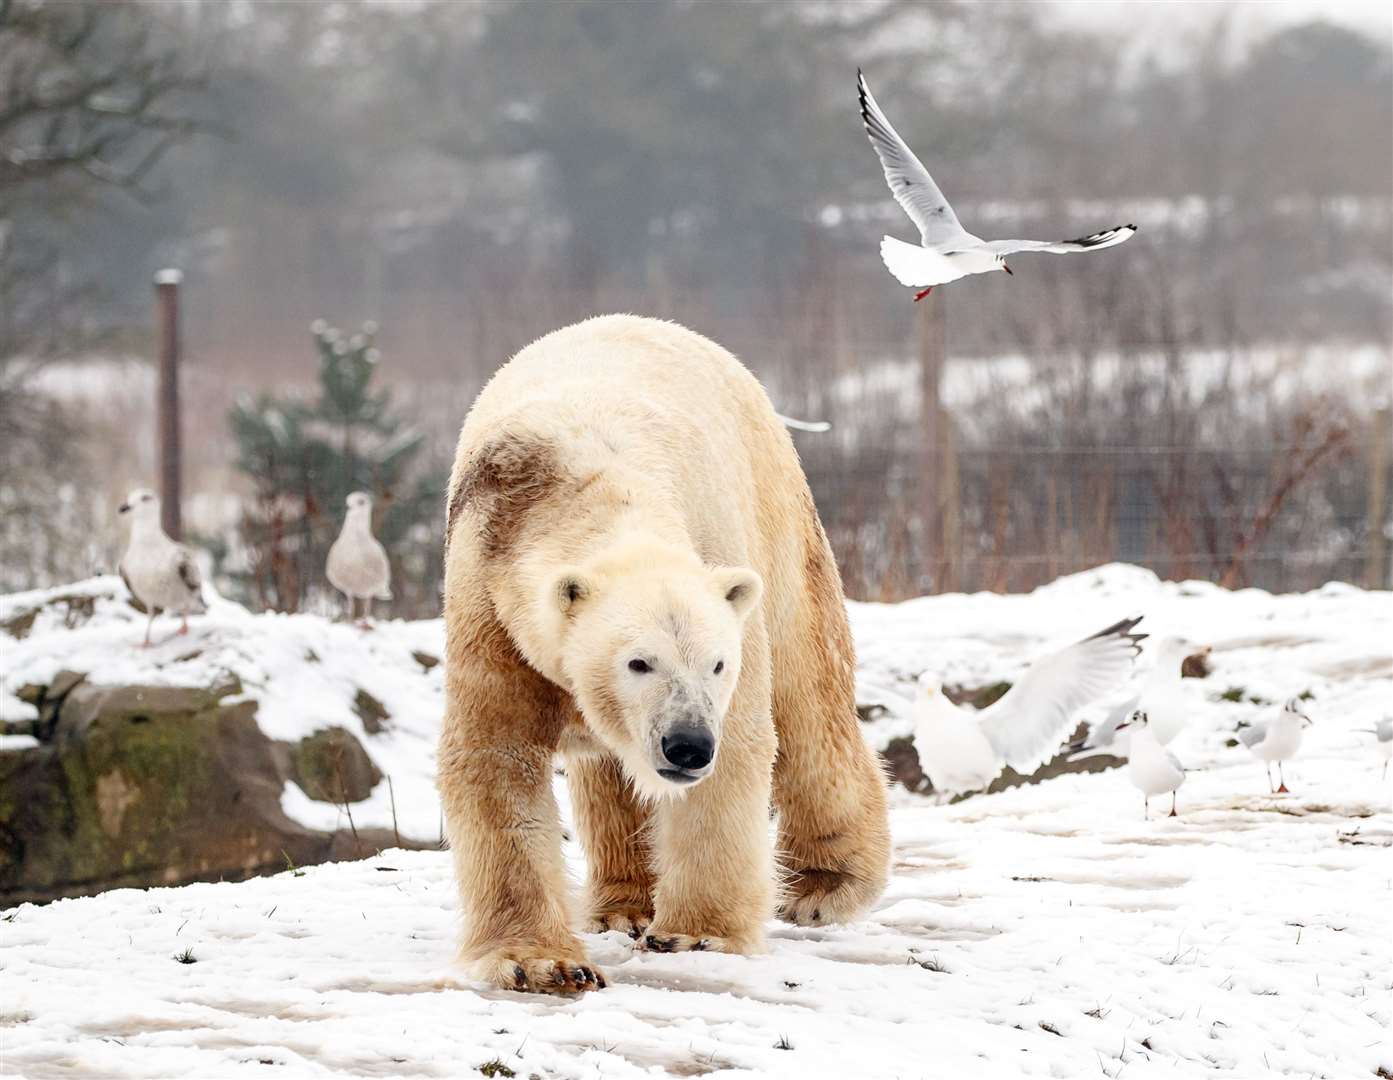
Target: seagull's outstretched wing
(1027, 725)
(910, 183)
(1103, 735)
(1099, 240)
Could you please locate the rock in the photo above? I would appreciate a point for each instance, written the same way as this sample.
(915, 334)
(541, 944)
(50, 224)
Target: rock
(62, 683)
(77, 608)
(332, 766)
(902, 761)
(160, 785)
(371, 712)
(137, 704)
(425, 659)
(1197, 665)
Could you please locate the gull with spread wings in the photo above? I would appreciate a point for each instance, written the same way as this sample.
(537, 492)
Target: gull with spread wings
(946, 251)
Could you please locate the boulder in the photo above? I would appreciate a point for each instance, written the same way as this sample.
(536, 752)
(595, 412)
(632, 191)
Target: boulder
(161, 785)
(332, 766)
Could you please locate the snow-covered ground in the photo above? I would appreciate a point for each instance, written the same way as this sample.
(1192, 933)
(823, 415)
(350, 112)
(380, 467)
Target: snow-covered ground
(1044, 931)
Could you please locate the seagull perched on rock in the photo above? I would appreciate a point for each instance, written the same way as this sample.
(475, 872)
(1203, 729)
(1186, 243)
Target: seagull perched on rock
(1160, 696)
(357, 564)
(1384, 734)
(160, 573)
(946, 251)
(961, 750)
(1151, 767)
(1277, 740)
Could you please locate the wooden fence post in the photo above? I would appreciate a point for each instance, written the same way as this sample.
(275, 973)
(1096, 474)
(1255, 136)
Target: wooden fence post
(938, 476)
(1376, 569)
(167, 400)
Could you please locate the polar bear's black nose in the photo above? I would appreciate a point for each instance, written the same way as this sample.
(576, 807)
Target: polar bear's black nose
(689, 747)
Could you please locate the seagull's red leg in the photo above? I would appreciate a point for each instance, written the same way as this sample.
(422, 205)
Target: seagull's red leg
(184, 625)
(920, 295)
(1282, 790)
(1172, 813)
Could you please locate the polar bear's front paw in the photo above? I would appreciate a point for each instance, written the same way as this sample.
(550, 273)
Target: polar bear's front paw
(631, 921)
(540, 972)
(818, 897)
(661, 942)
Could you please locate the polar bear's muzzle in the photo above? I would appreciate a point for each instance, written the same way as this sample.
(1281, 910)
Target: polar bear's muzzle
(686, 742)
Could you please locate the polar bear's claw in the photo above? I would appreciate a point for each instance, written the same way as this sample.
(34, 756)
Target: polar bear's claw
(633, 923)
(541, 975)
(667, 943)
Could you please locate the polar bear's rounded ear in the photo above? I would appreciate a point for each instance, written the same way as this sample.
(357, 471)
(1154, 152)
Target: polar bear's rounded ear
(741, 588)
(570, 589)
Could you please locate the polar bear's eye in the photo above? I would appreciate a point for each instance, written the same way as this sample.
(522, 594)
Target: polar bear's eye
(639, 667)
(720, 667)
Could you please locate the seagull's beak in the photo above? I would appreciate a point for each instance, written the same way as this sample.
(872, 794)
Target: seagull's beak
(124, 508)
(1008, 269)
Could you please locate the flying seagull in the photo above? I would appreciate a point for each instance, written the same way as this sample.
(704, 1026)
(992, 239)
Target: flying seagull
(1150, 766)
(962, 750)
(357, 565)
(161, 574)
(946, 251)
(1277, 740)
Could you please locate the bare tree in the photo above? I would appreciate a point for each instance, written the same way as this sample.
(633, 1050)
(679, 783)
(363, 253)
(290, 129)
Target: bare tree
(91, 87)
(92, 95)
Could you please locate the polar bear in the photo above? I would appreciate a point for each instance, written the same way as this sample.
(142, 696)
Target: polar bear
(637, 581)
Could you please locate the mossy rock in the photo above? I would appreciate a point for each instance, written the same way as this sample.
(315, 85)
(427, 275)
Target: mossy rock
(332, 766)
(153, 785)
(85, 704)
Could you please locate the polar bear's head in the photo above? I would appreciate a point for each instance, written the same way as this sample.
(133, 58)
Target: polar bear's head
(650, 645)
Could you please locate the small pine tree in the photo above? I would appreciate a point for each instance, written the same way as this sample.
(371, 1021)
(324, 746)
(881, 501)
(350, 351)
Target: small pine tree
(303, 460)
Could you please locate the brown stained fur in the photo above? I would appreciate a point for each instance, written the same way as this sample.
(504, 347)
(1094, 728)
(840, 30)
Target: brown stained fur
(495, 765)
(505, 478)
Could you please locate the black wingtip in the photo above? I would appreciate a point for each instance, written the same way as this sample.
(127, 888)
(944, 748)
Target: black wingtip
(1123, 628)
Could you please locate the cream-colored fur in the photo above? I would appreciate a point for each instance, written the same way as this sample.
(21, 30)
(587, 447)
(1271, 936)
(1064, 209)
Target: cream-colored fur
(623, 490)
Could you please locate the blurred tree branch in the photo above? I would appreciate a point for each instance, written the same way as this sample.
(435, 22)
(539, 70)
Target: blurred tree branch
(93, 88)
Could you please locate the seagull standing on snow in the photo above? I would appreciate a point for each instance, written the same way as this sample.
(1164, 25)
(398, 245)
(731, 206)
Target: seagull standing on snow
(1161, 696)
(161, 574)
(946, 250)
(1151, 767)
(357, 564)
(1277, 740)
(1384, 734)
(960, 750)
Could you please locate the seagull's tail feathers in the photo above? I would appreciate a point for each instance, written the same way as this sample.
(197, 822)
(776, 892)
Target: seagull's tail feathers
(917, 266)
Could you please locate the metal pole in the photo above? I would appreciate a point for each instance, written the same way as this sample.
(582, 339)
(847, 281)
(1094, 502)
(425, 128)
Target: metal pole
(167, 399)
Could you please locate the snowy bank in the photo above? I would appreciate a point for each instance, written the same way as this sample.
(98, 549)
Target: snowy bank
(1041, 931)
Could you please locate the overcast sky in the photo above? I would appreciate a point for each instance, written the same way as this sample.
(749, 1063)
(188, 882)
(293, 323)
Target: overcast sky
(1164, 17)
